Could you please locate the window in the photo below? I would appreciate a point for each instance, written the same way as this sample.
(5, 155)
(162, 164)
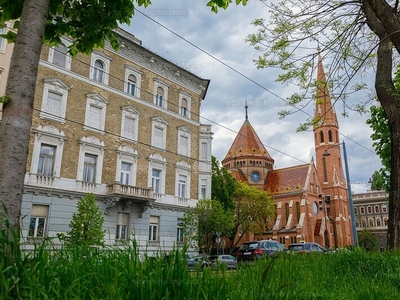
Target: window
(155, 180)
(159, 96)
(369, 209)
(47, 151)
(122, 226)
(384, 209)
(94, 119)
(58, 55)
(100, 65)
(184, 137)
(90, 162)
(157, 170)
(287, 211)
(153, 228)
(126, 173)
(184, 107)
(355, 210)
(385, 221)
(46, 160)
(363, 223)
(54, 100)
(203, 188)
(129, 124)
(362, 210)
(330, 136)
(89, 168)
(184, 104)
(160, 93)
(126, 165)
(376, 207)
(180, 237)
(2, 40)
(133, 79)
(371, 223)
(184, 145)
(131, 86)
(98, 72)
(182, 182)
(378, 222)
(321, 135)
(182, 189)
(159, 133)
(95, 113)
(37, 224)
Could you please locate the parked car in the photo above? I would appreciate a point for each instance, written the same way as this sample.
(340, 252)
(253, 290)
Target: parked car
(307, 248)
(194, 262)
(249, 251)
(227, 260)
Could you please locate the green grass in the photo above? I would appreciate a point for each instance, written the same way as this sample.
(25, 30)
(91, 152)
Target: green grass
(120, 274)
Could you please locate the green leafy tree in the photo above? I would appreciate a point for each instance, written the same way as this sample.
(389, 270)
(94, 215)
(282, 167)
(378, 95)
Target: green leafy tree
(202, 224)
(223, 185)
(352, 35)
(89, 23)
(367, 240)
(379, 123)
(253, 210)
(380, 181)
(86, 225)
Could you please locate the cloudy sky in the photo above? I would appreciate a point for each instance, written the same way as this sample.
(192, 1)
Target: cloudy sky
(212, 46)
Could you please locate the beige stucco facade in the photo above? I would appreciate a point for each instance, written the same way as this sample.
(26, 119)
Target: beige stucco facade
(125, 126)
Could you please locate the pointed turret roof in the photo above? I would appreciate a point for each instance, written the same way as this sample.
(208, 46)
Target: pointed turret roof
(323, 108)
(247, 142)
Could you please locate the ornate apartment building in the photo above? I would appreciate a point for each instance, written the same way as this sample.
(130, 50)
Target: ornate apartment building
(371, 211)
(311, 200)
(125, 126)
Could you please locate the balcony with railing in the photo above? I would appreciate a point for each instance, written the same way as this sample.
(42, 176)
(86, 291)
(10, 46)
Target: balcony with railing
(130, 192)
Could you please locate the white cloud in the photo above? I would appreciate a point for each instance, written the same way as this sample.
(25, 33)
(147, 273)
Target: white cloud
(222, 35)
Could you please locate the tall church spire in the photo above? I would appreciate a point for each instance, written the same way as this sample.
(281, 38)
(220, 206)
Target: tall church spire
(324, 111)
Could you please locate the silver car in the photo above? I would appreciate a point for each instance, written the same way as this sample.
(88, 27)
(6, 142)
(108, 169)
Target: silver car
(229, 261)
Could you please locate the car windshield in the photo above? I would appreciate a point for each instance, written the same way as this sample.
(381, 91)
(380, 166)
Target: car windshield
(248, 246)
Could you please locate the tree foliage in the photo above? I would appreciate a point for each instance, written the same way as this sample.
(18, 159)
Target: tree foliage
(367, 240)
(381, 142)
(223, 185)
(202, 224)
(379, 123)
(349, 36)
(253, 210)
(86, 225)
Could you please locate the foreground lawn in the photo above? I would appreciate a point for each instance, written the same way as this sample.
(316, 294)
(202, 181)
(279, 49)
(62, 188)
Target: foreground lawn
(120, 274)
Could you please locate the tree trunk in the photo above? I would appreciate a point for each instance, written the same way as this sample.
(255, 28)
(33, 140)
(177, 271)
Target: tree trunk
(389, 98)
(17, 115)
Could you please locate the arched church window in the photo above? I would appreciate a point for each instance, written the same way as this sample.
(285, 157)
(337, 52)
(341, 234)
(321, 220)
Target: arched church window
(321, 136)
(330, 136)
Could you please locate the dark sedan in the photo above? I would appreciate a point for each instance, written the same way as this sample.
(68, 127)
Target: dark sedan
(249, 251)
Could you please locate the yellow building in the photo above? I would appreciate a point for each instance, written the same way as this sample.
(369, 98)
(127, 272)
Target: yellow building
(124, 125)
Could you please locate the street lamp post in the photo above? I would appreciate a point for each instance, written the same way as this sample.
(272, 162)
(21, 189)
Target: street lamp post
(353, 219)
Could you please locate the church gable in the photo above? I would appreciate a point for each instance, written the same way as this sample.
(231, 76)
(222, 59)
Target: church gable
(287, 180)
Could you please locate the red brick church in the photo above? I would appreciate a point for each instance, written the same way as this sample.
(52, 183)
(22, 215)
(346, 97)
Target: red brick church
(311, 199)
